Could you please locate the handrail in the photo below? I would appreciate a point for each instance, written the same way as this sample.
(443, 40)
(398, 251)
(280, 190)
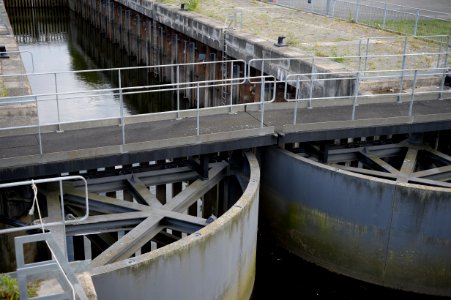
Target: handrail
(47, 180)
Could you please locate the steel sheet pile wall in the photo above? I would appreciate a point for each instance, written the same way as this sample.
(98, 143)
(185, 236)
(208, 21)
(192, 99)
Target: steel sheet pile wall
(216, 262)
(35, 3)
(396, 235)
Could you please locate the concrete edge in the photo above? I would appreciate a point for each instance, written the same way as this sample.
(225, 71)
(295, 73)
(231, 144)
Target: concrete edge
(238, 221)
(347, 124)
(362, 176)
(133, 147)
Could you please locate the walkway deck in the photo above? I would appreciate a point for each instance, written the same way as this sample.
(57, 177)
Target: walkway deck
(90, 145)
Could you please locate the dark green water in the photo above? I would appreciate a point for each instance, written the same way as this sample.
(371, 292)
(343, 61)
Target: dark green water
(60, 41)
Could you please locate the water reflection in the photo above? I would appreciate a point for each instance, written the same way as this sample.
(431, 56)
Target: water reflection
(60, 42)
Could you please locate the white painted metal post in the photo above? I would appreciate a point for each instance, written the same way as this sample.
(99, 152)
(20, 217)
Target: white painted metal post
(178, 91)
(440, 52)
(231, 87)
(311, 82)
(121, 103)
(366, 55)
(356, 94)
(385, 14)
(445, 70)
(357, 11)
(416, 23)
(298, 87)
(198, 114)
(39, 126)
(412, 97)
(403, 67)
(57, 103)
(262, 102)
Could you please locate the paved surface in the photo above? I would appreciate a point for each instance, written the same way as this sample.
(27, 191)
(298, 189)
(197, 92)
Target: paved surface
(315, 35)
(13, 115)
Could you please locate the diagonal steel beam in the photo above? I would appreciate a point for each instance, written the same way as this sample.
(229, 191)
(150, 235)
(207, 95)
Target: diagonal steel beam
(156, 220)
(376, 163)
(430, 182)
(441, 173)
(194, 191)
(131, 242)
(128, 206)
(408, 165)
(141, 192)
(106, 222)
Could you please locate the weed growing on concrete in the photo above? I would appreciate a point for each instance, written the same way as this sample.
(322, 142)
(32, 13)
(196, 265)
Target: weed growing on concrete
(192, 5)
(9, 288)
(3, 90)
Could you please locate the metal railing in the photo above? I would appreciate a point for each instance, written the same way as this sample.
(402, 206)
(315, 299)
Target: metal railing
(59, 262)
(379, 14)
(293, 82)
(63, 218)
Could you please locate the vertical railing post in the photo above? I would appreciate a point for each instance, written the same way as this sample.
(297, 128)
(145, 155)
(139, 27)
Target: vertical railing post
(57, 103)
(445, 70)
(177, 75)
(262, 86)
(39, 126)
(198, 114)
(356, 94)
(121, 103)
(440, 52)
(360, 54)
(311, 82)
(333, 8)
(385, 14)
(366, 55)
(403, 67)
(416, 23)
(412, 97)
(262, 102)
(357, 11)
(298, 87)
(231, 87)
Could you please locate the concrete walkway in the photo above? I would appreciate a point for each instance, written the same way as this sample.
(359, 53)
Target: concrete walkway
(17, 114)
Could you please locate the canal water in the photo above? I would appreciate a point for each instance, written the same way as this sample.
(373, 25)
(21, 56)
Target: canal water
(60, 41)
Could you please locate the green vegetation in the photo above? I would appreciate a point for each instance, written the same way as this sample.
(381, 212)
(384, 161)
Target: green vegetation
(3, 90)
(192, 5)
(425, 27)
(9, 288)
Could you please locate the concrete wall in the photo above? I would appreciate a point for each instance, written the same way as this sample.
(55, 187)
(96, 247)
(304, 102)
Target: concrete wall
(244, 46)
(216, 262)
(395, 235)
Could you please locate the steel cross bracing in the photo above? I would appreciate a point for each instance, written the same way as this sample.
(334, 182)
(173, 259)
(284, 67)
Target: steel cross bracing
(402, 162)
(143, 220)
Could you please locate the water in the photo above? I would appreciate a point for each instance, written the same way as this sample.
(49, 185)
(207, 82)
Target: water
(282, 275)
(62, 42)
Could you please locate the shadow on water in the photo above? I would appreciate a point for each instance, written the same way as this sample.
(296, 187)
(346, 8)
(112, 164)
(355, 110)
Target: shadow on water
(282, 275)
